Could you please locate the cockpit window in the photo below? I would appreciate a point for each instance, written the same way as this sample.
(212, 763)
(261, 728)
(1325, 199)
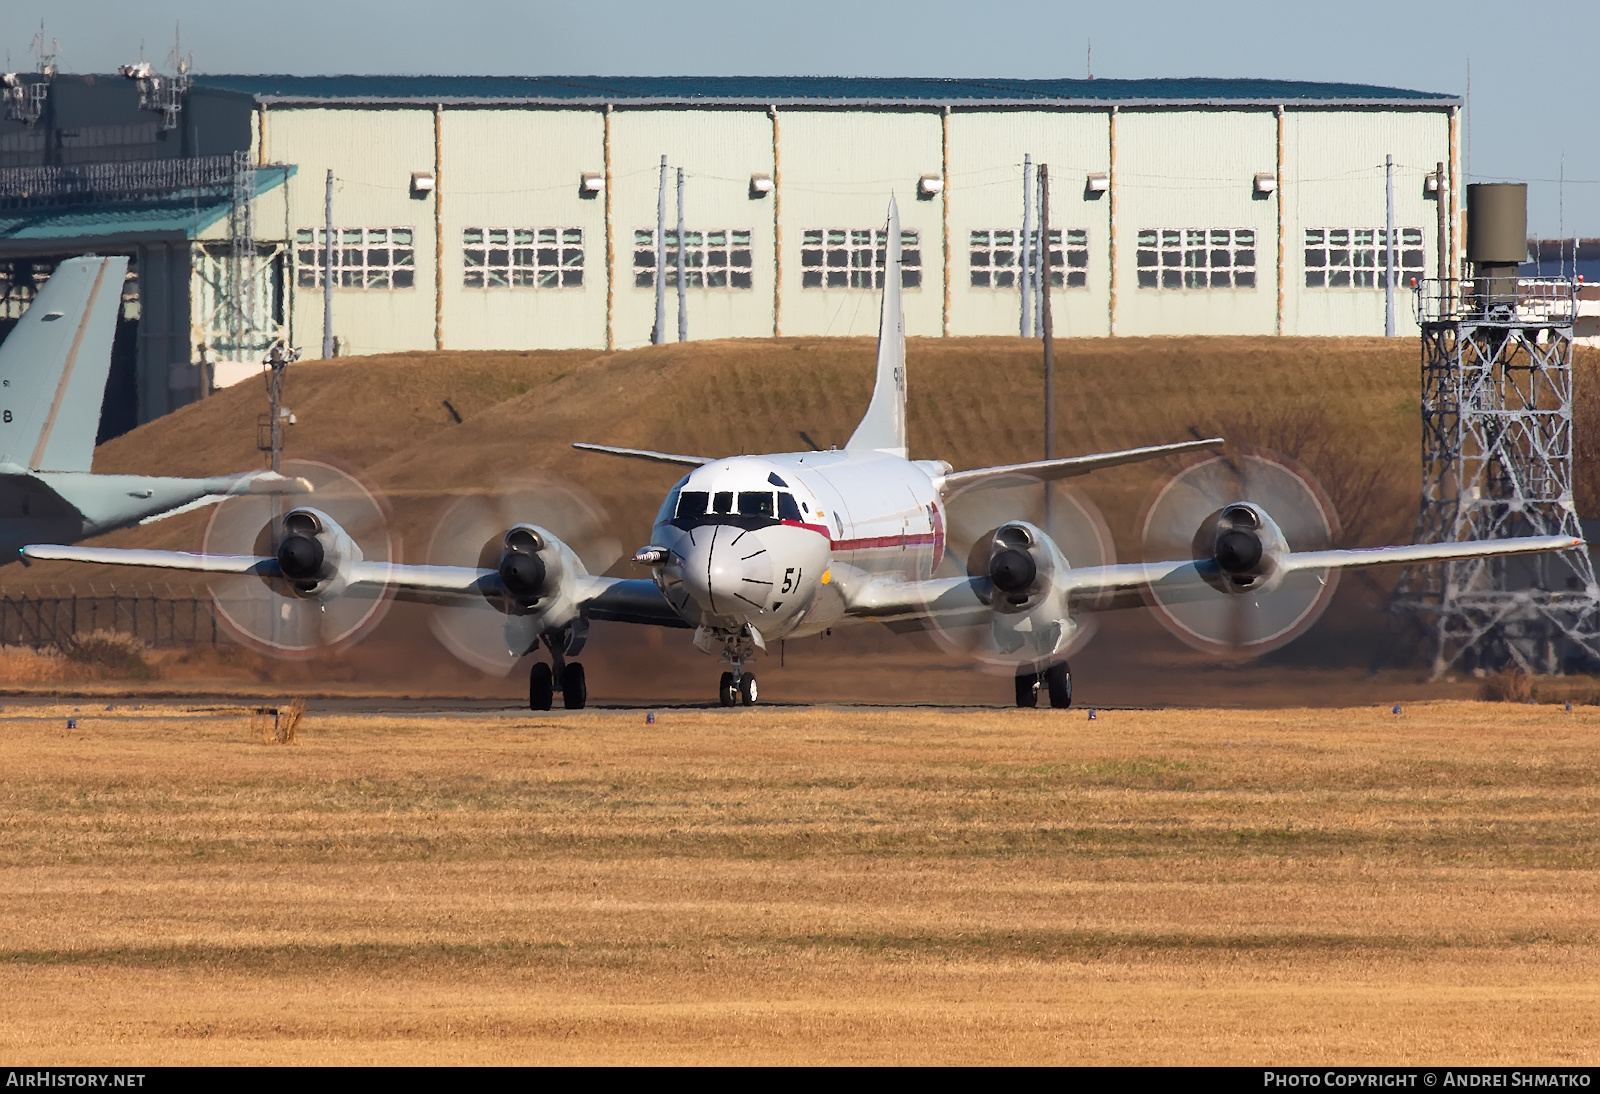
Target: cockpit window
(787, 509)
(669, 507)
(775, 481)
(755, 503)
(692, 503)
(722, 502)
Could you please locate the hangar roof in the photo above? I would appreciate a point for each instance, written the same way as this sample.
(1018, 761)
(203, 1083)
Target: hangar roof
(811, 91)
(184, 215)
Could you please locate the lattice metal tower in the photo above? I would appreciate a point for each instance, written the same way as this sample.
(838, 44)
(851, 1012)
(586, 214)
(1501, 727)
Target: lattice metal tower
(1497, 459)
(242, 256)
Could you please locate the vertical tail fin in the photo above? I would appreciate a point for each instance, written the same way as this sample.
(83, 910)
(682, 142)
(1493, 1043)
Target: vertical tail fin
(883, 429)
(53, 367)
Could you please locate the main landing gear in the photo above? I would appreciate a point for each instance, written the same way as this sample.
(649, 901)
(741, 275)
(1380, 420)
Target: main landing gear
(737, 689)
(1055, 681)
(543, 678)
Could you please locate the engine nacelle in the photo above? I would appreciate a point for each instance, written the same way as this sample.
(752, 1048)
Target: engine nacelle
(312, 552)
(1239, 548)
(531, 567)
(1027, 593)
(1022, 562)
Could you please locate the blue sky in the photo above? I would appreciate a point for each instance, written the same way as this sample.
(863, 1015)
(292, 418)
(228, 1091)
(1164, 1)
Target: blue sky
(1520, 126)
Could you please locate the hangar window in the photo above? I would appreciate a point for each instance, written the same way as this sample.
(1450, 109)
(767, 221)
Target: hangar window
(1354, 258)
(523, 258)
(718, 258)
(363, 258)
(853, 258)
(1197, 258)
(996, 258)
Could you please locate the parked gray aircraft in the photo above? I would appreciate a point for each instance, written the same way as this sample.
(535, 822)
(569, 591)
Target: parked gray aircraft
(53, 369)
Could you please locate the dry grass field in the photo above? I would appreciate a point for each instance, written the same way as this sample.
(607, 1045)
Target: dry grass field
(779, 885)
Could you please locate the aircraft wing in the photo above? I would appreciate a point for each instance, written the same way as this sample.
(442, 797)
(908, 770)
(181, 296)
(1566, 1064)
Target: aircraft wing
(644, 454)
(1102, 587)
(962, 601)
(166, 560)
(1013, 474)
(620, 599)
(952, 600)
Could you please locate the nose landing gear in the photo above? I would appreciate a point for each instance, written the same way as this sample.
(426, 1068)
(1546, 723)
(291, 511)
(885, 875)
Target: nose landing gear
(543, 679)
(1055, 680)
(737, 688)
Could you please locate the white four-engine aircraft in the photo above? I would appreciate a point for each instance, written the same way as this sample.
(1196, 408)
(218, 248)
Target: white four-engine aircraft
(749, 550)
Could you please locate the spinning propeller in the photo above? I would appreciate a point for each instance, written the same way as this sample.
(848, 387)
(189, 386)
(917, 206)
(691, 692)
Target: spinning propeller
(472, 532)
(265, 614)
(974, 517)
(1242, 608)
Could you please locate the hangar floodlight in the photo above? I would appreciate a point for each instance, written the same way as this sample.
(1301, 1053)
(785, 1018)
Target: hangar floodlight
(1097, 183)
(421, 183)
(592, 182)
(760, 185)
(929, 185)
(1266, 182)
(1430, 184)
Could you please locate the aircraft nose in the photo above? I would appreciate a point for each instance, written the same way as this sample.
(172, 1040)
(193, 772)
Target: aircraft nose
(728, 571)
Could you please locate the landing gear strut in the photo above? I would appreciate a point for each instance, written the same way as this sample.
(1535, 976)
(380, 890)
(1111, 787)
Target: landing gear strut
(543, 678)
(737, 688)
(1055, 680)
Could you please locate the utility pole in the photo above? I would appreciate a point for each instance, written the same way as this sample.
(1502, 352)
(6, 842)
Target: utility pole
(1049, 333)
(1024, 256)
(659, 335)
(327, 271)
(1388, 248)
(270, 432)
(683, 300)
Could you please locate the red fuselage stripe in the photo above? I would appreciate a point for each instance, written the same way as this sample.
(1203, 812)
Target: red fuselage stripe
(911, 539)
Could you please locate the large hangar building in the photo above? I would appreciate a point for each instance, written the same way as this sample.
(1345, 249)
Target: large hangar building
(506, 213)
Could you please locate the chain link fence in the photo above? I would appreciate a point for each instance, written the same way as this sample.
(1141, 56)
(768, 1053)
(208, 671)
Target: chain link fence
(161, 619)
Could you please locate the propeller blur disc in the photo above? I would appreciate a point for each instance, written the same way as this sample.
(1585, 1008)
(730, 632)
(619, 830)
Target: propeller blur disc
(259, 613)
(1186, 506)
(470, 533)
(1074, 522)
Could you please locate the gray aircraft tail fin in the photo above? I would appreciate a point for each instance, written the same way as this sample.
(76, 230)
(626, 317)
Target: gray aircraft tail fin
(883, 429)
(53, 367)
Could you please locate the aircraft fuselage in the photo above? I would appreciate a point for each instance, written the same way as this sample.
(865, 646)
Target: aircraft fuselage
(769, 542)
